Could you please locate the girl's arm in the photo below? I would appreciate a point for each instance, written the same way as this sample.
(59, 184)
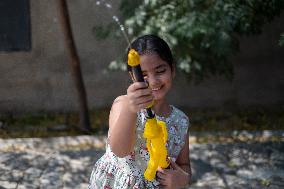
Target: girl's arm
(123, 115)
(121, 127)
(183, 158)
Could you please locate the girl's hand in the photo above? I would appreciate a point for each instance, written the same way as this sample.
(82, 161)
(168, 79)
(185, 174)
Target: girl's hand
(139, 96)
(172, 178)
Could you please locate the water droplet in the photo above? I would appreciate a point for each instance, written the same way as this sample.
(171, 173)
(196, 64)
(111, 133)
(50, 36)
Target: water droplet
(108, 5)
(115, 18)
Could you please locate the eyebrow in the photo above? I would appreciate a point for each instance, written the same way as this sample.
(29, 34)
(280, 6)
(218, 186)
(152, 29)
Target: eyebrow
(156, 68)
(160, 66)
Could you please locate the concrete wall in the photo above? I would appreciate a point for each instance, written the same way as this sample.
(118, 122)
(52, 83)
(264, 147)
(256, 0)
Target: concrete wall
(258, 79)
(40, 80)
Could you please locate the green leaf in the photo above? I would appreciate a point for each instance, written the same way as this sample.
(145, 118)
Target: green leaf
(202, 31)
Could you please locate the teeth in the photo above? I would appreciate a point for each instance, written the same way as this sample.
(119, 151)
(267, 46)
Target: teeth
(155, 89)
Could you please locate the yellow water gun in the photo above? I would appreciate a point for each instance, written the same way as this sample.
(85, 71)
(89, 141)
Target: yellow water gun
(155, 132)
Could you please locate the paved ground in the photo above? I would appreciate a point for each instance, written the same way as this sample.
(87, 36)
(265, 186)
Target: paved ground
(66, 162)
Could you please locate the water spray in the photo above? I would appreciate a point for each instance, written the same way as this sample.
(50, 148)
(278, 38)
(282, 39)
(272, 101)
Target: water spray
(115, 18)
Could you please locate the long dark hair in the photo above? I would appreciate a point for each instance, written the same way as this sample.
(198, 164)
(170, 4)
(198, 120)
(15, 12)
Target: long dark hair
(152, 44)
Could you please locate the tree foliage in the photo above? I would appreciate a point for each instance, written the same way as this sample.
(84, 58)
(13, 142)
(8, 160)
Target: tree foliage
(203, 34)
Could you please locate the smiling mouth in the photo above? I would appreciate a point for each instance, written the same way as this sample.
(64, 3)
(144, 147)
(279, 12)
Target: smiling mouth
(156, 89)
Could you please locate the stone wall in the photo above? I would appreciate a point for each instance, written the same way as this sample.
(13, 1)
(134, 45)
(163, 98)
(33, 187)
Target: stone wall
(40, 80)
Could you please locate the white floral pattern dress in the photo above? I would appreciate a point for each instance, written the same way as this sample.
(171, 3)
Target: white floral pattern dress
(112, 172)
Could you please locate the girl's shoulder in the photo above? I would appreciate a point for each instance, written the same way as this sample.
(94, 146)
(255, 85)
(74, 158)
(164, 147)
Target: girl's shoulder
(121, 98)
(178, 111)
(120, 101)
(117, 106)
(179, 115)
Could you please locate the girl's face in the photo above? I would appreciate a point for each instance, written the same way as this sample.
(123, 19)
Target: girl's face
(158, 74)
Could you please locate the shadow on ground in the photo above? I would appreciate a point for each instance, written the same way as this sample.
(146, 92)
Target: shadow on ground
(215, 165)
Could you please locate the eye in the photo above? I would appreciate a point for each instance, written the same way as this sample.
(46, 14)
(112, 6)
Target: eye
(161, 71)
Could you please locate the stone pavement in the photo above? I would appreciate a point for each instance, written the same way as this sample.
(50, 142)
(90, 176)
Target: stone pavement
(66, 162)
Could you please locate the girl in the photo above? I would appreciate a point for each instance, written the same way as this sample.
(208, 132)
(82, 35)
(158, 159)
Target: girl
(126, 157)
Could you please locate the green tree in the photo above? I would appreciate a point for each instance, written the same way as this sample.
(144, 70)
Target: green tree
(203, 34)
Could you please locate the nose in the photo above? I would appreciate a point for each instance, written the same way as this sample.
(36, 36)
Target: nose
(152, 80)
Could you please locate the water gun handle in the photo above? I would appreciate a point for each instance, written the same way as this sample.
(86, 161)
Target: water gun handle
(134, 62)
(137, 73)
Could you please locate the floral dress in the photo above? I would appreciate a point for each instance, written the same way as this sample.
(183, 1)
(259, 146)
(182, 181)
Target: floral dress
(112, 172)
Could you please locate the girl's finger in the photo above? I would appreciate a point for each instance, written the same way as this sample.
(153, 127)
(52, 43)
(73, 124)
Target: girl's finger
(160, 180)
(164, 171)
(144, 101)
(161, 176)
(160, 170)
(136, 86)
(139, 85)
(142, 92)
(173, 164)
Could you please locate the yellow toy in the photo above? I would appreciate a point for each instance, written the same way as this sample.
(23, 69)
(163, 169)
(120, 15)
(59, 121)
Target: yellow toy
(155, 132)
